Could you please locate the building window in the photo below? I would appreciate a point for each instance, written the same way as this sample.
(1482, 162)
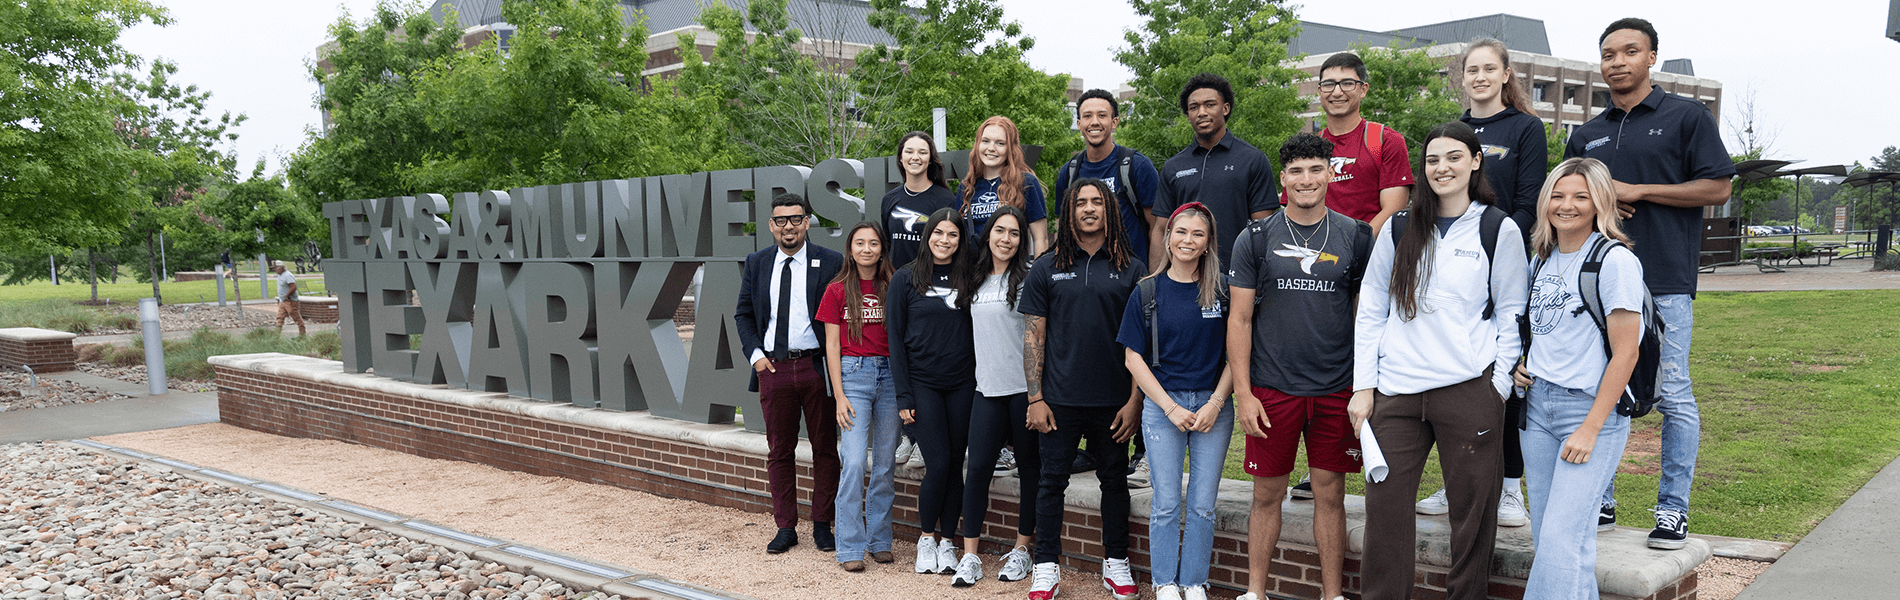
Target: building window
(1570, 94)
(1539, 92)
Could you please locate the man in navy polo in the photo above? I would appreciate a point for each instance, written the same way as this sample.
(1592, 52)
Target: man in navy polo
(1667, 158)
(1230, 176)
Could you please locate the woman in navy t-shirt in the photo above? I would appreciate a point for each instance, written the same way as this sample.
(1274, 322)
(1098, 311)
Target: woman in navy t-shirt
(998, 176)
(1181, 368)
(906, 209)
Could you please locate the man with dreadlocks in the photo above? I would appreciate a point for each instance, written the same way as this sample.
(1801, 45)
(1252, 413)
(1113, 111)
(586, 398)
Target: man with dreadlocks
(1072, 302)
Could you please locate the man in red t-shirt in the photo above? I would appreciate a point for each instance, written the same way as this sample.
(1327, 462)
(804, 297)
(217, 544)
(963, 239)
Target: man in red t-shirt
(1372, 170)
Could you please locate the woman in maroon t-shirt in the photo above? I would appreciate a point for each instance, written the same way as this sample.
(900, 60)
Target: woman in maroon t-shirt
(858, 355)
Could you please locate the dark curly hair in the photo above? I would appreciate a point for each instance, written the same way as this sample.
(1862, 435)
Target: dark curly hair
(1639, 25)
(1303, 146)
(1208, 81)
(1114, 108)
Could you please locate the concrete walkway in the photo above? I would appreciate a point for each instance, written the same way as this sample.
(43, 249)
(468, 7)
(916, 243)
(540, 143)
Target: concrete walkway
(141, 412)
(1853, 554)
(1850, 274)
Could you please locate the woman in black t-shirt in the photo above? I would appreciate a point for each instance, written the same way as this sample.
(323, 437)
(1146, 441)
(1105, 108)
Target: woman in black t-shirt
(905, 211)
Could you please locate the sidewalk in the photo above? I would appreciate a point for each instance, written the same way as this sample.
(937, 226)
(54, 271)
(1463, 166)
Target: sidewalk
(1850, 274)
(1853, 554)
(142, 412)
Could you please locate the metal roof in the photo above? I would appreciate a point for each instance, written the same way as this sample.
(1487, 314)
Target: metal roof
(1519, 33)
(822, 19)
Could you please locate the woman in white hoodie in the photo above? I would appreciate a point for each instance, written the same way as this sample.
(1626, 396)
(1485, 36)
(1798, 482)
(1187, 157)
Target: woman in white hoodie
(1436, 338)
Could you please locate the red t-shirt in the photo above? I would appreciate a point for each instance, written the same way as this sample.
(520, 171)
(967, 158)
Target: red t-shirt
(1358, 176)
(832, 307)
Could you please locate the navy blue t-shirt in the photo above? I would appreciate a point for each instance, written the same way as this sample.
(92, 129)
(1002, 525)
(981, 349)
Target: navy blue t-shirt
(1082, 365)
(1516, 157)
(1147, 183)
(1666, 139)
(984, 202)
(1234, 180)
(1195, 338)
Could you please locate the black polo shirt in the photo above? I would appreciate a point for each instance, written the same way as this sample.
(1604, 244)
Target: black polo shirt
(1082, 364)
(1234, 180)
(1665, 139)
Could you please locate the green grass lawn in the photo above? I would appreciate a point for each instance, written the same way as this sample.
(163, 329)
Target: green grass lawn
(128, 291)
(1800, 403)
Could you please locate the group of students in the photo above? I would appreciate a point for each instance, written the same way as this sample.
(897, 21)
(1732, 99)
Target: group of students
(1304, 295)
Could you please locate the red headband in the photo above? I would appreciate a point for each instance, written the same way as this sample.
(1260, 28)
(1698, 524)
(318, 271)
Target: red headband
(1178, 209)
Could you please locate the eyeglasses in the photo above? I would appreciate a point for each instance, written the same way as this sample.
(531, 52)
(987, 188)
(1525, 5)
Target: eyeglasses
(1345, 84)
(789, 221)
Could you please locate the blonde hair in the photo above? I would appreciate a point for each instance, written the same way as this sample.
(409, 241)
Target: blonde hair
(1602, 196)
(1207, 274)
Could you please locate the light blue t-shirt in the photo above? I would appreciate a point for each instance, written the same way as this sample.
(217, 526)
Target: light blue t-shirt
(1566, 348)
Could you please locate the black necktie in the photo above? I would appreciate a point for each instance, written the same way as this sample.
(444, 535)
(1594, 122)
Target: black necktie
(783, 340)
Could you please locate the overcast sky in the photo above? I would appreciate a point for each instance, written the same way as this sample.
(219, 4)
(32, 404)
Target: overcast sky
(1830, 55)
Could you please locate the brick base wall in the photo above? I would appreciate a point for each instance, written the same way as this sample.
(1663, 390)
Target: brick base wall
(45, 351)
(316, 309)
(561, 441)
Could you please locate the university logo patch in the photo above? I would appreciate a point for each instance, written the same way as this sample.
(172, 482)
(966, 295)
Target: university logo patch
(1595, 143)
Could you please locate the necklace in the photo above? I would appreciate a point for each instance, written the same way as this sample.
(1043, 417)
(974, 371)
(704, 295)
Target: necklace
(1324, 223)
(1563, 268)
(912, 194)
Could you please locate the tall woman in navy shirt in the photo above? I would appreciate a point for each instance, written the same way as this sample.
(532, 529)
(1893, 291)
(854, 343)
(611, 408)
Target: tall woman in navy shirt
(999, 176)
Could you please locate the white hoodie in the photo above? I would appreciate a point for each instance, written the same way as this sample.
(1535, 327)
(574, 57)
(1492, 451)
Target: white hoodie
(1449, 342)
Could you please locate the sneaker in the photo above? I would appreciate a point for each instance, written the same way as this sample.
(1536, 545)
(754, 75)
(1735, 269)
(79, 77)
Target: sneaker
(1118, 581)
(946, 557)
(1194, 592)
(1248, 596)
(1048, 582)
(1672, 530)
(1168, 592)
(926, 554)
(1016, 565)
(1606, 517)
(1511, 511)
(1434, 504)
(904, 450)
(1303, 491)
(1005, 463)
(1084, 462)
(969, 571)
(1138, 475)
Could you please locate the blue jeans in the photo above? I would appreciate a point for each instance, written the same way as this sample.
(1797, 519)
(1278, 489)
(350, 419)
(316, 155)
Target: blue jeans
(1173, 559)
(864, 519)
(1681, 420)
(1563, 523)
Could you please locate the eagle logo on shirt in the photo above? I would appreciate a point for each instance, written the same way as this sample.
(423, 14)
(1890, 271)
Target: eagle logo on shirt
(1340, 162)
(911, 218)
(1307, 256)
(1494, 151)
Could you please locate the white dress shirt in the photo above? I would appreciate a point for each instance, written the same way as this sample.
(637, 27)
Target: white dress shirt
(801, 337)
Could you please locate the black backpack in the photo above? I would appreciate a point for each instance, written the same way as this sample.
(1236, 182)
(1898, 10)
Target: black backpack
(1150, 301)
(1488, 227)
(1645, 388)
(1125, 165)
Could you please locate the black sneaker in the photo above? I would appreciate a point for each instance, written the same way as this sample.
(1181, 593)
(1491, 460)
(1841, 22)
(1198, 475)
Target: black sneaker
(1672, 530)
(1084, 462)
(1303, 491)
(1606, 517)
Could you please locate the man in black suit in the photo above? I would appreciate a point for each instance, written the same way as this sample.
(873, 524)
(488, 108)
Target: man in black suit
(777, 302)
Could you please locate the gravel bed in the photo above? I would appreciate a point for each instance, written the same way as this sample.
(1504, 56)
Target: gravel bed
(137, 375)
(187, 318)
(80, 525)
(15, 393)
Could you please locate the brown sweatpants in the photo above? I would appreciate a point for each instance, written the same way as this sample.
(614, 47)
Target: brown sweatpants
(1466, 420)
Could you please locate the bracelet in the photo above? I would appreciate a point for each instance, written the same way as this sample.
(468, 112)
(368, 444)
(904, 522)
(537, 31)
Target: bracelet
(1035, 403)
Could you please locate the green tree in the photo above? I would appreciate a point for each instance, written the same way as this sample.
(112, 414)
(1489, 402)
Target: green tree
(65, 178)
(190, 152)
(239, 212)
(1409, 91)
(1555, 138)
(1242, 40)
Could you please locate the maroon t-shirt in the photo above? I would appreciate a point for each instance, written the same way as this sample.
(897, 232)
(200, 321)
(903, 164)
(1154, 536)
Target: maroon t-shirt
(1358, 176)
(832, 307)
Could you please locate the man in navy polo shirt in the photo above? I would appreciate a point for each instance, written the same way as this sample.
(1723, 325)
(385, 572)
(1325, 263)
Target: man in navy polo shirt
(1072, 302)
(1668, 162)
(1230, 176)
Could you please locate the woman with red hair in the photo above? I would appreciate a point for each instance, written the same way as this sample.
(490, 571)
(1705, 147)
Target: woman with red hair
(1000, 176)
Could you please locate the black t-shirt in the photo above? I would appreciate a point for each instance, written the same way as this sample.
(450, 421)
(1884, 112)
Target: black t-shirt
(1305, 281)
(930, 337)
(1234, 180)
(1082, 363)
(1665, 139)
(906, 218)
(1516, 157)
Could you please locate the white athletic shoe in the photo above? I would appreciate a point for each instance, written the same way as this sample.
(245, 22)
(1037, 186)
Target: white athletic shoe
(1248, 596)
(946, 557)
(1511, 511)
(969, 571)
(1195, 592)
(904, 450)
(1434, 504)
(1005, 464)
(1140, 478)
(1016, 565)
(927, 555)
(1168, 592)
(1048, 582)
(1118, 581)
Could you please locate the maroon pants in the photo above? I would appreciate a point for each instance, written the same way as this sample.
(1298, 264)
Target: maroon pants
(798, 390)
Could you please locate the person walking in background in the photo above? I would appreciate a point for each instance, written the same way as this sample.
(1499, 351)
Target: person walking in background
(778, 302)
(1434, 343)
(1000, 176)
(1574, 440)
(933, 362)
(999, 413)
(287, 306)
(1667, 158)
(1173, 334)
(857, 351)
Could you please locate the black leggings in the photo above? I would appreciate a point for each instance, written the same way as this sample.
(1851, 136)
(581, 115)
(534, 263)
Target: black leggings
(993, 423)
(942, 433)
(1513, 450)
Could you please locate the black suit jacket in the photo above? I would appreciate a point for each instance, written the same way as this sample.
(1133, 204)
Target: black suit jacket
(755, 309)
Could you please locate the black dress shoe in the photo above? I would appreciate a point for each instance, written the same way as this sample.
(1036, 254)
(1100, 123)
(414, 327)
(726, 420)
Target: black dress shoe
(821, 536)
(786, 538)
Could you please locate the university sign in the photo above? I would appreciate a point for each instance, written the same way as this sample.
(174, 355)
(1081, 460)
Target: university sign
(566, 293)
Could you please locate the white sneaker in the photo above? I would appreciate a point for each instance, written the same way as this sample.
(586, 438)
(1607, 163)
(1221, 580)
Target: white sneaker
(1048, 582)
(904, 450)
(1511, 511)
(946, 557)
(926, 554)
(1434, 504)
(1168, 592)
(1005, 463)
(1248, 596)
(969, 571)
(1118, 581)
(1140, 478)
(1195, 592)
(1016, 565)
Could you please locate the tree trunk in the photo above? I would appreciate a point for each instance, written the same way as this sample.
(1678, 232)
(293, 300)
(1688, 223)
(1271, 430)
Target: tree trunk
(151, 263)
(92, 274)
